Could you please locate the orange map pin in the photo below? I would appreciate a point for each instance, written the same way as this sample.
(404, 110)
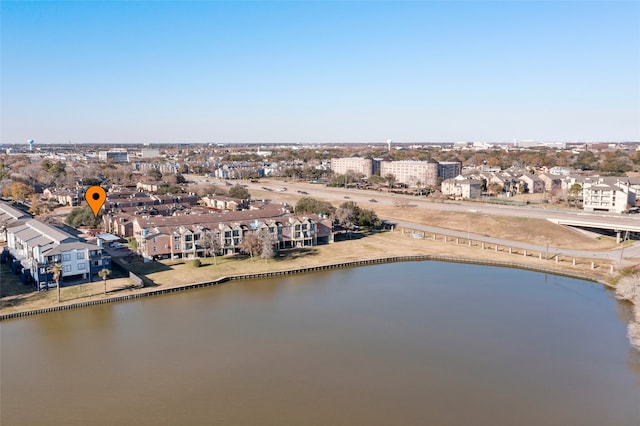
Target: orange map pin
(95, 196)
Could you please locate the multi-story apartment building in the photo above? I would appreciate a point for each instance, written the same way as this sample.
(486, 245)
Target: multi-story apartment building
(37, 246)
(612, 197)
(193, 236)
(412, 173)
(9, 216)
(341, 166)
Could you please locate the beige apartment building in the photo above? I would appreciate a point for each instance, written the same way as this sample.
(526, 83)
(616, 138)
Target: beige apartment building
(341, 166)
(412, 173)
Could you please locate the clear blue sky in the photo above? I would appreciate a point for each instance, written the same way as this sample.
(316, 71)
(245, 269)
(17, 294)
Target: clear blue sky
(316, 72)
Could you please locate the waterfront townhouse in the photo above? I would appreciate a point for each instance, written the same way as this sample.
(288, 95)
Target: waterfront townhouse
(36, 246)
(193, 236)
(10, 216)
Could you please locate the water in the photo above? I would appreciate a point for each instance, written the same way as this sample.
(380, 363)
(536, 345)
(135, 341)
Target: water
(408, 343)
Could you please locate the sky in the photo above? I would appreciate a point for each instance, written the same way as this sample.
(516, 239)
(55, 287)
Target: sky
(319, 71)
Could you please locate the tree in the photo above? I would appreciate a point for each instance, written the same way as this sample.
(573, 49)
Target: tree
(83, 216)
(376, 180)
(586, 160)
(212, 244)
(250, 244)
(57, 275)
(390, 179)
(312, 205)
(155, 174)
(574, 191)
(345, 219)
(239, 192)
(104, 273)
(494, 188)
(268, 244)
(18, 191)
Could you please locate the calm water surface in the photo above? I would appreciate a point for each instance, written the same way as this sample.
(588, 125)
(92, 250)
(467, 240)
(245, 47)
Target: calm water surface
(409, 343)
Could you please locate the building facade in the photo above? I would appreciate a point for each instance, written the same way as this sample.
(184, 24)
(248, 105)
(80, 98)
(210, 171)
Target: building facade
(341, 166)
(36, 246)
(611, 197)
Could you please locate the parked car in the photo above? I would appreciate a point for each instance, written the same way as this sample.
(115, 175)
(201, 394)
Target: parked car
(373, 200)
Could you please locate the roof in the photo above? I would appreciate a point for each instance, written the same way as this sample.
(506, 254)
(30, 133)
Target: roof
(61, 248)
(12, 212)
(107, 237)
(50, 231)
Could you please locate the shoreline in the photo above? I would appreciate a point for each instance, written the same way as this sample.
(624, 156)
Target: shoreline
(150, 291)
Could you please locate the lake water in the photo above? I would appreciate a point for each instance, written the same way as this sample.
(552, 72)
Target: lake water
(408, 343)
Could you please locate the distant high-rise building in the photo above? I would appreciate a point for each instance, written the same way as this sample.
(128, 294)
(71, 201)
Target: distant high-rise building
(117, 156)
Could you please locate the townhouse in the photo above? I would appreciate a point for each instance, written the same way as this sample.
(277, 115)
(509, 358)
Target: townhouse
(462, 187)
(196, 235)
(35, 246)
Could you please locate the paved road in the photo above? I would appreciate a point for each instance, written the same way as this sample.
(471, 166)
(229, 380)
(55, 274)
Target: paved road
(363, 198)
(628, 252)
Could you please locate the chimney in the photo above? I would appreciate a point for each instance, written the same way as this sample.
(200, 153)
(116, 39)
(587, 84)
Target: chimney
(99, 242)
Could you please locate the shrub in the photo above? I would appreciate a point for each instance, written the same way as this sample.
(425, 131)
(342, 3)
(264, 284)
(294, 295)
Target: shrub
(196, 263)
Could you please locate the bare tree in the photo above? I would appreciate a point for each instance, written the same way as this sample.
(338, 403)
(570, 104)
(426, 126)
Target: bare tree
(268, 244)
(345, 219)
(250, 244)
(212, 244)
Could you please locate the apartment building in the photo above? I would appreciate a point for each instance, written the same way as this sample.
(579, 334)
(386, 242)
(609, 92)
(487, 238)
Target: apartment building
(341, 166)
(615, 197)
(412, 173)
(193, 236)
(36, 246)
(10, 216)
(461, 187)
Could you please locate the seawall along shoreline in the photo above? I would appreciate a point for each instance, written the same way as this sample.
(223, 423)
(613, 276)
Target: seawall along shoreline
(356, 263)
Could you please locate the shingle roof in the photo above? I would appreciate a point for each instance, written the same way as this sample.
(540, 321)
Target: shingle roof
(61, 248)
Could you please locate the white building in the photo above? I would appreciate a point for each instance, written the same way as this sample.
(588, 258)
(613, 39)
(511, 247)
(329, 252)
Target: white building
(37, 246)
(600, 196)
(149, 153)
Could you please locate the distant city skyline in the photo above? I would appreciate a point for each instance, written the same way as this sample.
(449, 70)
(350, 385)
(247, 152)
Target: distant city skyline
(319, 72)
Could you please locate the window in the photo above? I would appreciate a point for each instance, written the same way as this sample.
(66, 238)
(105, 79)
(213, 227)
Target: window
(188, 237)
(80, 255)
(177, 246)
(66, 257)
(81, 266)
(176, 238)
(67, 268)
